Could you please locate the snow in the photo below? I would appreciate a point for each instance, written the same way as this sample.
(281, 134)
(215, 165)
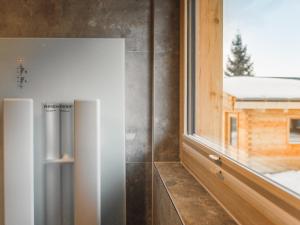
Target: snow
(262, 88)
(289, 179)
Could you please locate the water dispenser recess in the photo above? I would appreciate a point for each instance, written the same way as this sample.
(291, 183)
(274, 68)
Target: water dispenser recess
(68, 201)
(52, 171)
(59, 138)
(67, 146)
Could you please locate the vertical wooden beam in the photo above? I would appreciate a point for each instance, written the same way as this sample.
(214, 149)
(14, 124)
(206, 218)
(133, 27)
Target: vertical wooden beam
(209, 69)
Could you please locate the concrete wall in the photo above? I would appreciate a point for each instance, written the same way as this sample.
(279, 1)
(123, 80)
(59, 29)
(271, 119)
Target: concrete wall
(152, 76)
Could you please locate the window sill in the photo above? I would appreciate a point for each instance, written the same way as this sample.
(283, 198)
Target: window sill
(193, 203)
(278, 206)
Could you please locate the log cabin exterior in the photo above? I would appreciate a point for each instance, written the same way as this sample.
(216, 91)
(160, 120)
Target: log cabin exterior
(262, 115)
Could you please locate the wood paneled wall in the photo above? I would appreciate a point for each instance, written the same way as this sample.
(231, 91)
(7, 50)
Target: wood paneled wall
(266, 132)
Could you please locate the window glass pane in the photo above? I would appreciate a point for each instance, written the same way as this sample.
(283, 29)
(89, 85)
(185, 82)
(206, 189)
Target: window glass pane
(247, 65)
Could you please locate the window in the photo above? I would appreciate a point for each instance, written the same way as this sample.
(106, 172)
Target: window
(238, 64)
(294, 134)
(233, 131)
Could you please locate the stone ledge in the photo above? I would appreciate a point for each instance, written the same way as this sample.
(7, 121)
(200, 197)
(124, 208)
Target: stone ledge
(193, 203)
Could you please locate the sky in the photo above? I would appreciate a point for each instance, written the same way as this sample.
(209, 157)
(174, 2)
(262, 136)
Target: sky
(271, 31)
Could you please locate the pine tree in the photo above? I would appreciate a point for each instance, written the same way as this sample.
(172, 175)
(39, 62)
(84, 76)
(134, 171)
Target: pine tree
(240, 64)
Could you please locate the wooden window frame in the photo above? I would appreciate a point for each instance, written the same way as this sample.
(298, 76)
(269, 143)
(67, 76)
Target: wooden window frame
(247, 196)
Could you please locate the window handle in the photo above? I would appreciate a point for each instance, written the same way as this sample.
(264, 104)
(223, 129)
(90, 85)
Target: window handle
(215, 158)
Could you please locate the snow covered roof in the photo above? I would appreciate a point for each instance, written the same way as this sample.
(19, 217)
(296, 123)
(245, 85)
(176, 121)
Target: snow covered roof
(262, 88)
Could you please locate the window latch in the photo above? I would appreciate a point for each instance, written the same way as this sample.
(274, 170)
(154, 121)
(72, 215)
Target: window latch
(215, 158)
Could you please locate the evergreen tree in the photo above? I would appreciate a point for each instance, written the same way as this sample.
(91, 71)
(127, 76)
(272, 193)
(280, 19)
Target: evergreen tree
(240, 64)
